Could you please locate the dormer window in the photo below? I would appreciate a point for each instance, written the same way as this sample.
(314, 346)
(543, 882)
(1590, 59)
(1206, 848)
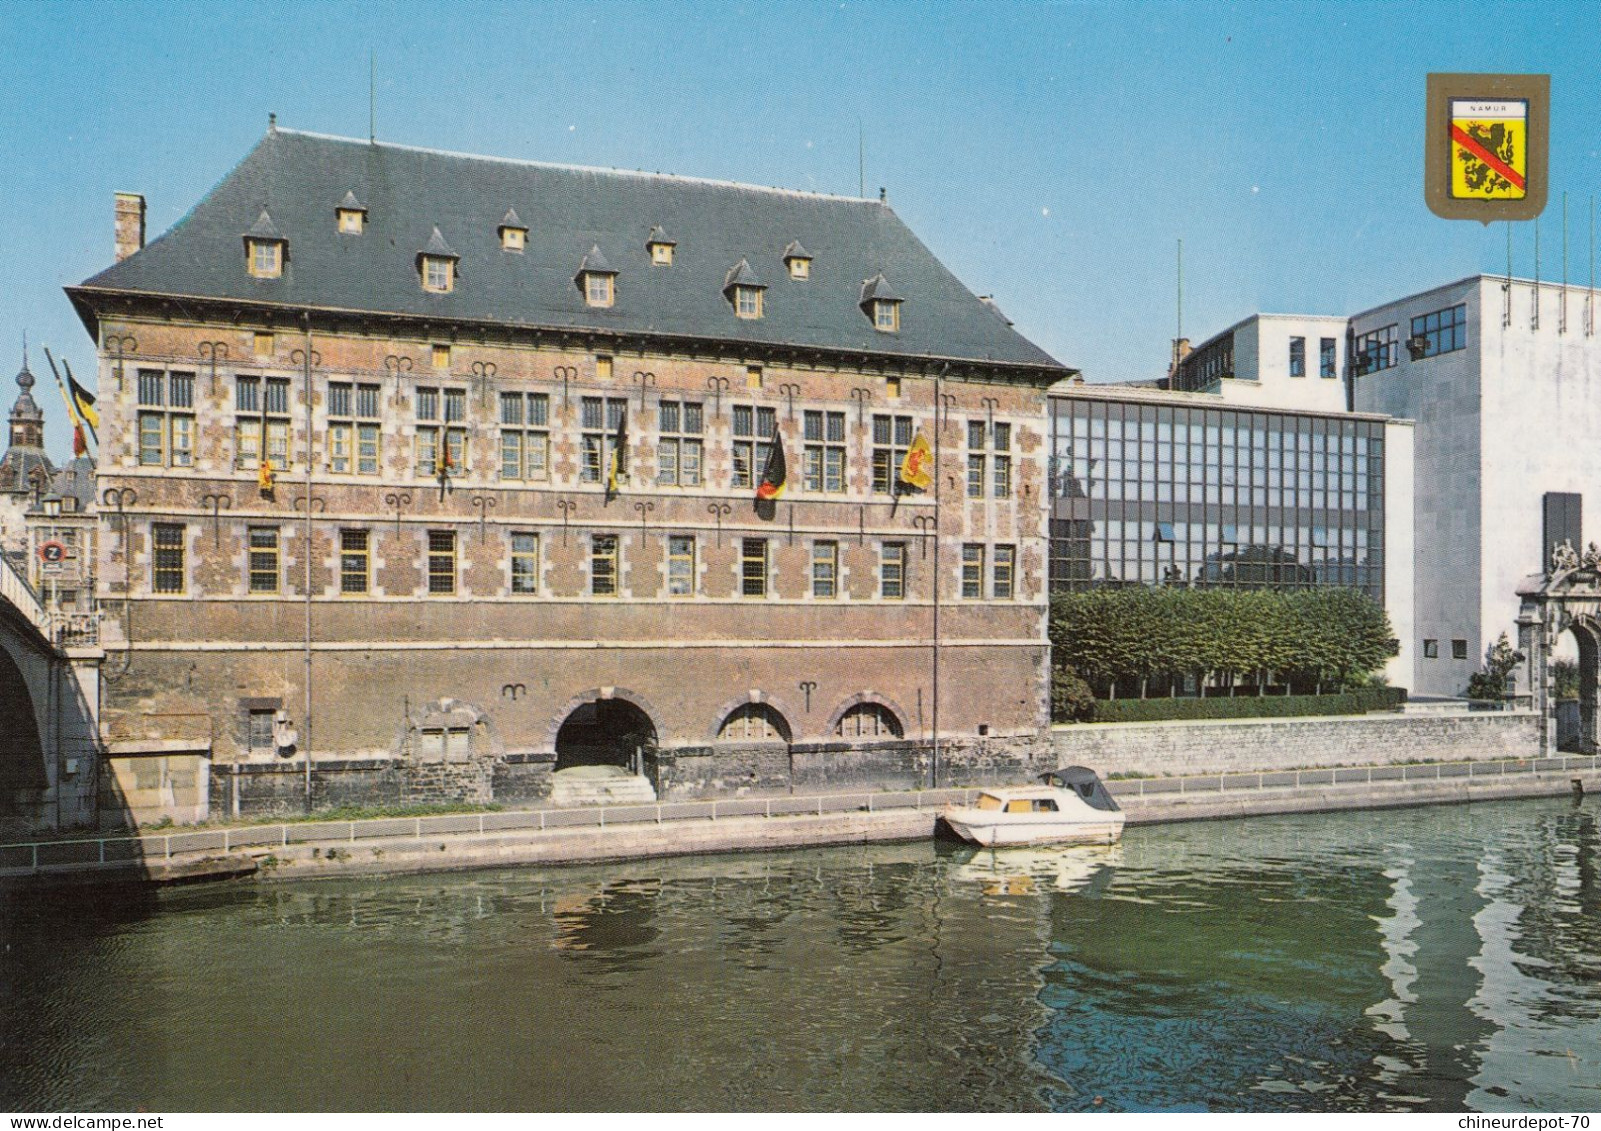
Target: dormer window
(744, 290)
(266, 259)
(438, 274)
(798, 260)
(265, 249)
(599, 289)
(881, 305)
(436, 265)
(351, 215)
(513, 233)
(660, 247)
(597, 280)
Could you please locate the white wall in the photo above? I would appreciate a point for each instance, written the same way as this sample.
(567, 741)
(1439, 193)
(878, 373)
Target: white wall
(1262, 363)
(1541, 397)
(1441, 395)
(1400, 592)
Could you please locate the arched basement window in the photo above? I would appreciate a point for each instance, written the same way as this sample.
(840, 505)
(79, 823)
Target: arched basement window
(869, 720)
(754, 722)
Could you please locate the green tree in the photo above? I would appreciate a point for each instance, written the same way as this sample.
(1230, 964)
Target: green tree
(1489, 682)
(1072, 700)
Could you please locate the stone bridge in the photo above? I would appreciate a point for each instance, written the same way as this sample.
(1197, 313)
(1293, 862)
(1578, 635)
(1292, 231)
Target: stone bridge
(49, 707)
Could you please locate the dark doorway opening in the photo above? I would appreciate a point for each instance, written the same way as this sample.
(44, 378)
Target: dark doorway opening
(22, 768)
(607, 732)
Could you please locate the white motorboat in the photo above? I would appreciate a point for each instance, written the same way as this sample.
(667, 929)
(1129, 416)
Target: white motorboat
(1069, 806)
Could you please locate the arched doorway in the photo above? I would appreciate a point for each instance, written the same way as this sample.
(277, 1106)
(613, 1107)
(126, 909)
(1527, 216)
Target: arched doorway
(607, 732)
(1566, 599)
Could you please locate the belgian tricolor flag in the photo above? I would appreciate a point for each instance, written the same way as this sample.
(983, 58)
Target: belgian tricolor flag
(775, 476)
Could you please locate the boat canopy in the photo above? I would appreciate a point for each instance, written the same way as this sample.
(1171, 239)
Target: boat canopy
(1084, 782)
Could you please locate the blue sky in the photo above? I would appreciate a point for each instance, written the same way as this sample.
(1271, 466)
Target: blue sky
(1052, 154)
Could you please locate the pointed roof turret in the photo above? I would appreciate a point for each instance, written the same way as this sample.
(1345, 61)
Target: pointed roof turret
(264, 228)
(437, 246)
(25, 456)
(740, 275)
(877, 289)
(595, 263)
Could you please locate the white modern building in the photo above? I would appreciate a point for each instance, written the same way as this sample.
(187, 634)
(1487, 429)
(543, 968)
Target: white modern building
(1290, 361)
(1502, 379)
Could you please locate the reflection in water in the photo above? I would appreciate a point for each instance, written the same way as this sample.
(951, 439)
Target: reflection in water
(1433, 959)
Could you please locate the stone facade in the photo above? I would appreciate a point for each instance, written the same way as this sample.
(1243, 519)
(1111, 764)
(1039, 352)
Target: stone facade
(1247, 745)
(355, 599)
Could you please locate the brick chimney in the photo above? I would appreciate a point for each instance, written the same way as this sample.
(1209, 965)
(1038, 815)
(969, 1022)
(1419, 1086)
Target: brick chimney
(130, 224)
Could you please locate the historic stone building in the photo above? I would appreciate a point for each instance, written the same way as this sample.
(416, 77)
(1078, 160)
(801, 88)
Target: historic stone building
(518, 419)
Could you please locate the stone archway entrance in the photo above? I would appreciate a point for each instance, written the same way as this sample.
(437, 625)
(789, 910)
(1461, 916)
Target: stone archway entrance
(607, 732)
(1567, 598)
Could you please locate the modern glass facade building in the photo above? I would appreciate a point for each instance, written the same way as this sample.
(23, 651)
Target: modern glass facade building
(1158, 487)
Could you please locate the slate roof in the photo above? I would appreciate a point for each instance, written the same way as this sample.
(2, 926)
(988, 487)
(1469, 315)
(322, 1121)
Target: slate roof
(569, 211)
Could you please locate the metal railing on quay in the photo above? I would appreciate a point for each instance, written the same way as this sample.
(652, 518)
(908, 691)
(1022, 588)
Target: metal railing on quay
(102, 851)
(1353, 775)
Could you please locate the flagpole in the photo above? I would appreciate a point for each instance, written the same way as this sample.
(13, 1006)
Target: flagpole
(939, 401)
(72, 413)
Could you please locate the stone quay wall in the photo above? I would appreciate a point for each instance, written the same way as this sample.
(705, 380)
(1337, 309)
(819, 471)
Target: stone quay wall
(260, 789)
(1244, 745)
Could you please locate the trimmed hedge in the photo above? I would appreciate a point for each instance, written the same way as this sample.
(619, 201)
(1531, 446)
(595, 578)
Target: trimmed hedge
(1248, 706)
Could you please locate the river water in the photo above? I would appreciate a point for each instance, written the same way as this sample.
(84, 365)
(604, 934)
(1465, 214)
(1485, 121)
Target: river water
(1435, 959)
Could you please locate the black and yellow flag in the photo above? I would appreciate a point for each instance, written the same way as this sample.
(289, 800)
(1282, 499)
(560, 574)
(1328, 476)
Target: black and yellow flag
(617, 469)
(84, 401)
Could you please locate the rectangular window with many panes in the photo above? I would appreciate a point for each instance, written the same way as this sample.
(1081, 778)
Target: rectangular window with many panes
(1003, 574)
(525, 437)
(825, 569)
(441, 562)
(441, 431)
(354, 428)
(524, 563)
(264, 559)
(603, 565)
(892, 571)
(892, 436)
(166, 418)
(972, 571)
(753, 429)
(599, 419)
(680, 447)
(261, 415)
(355, 561)
(753, 567)
(824, 451)
(167, 557)
(989, 459)
(681, 565)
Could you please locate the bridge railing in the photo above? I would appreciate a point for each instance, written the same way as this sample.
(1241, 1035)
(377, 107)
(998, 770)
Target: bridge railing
(15, 589)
